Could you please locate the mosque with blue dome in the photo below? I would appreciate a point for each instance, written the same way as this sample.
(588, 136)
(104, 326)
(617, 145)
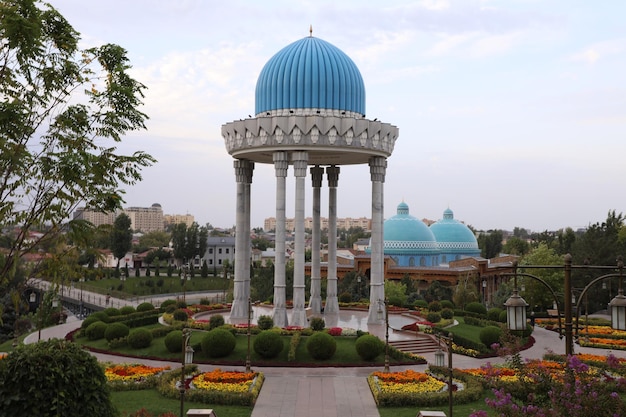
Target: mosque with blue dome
(411, 243)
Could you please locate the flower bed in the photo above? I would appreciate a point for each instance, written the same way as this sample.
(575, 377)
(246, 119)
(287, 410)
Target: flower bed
(411, 388)
(214, 387)
(122, 377)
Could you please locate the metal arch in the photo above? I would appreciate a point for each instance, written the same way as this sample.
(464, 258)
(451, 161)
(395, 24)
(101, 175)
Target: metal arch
(587, 287)
(556, 300)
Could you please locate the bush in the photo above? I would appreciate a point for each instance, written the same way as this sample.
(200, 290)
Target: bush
(268, 344)
(88, 321)
(111, 311)
(345, 297)
(216, 320)
(494, 314)
(433, 317)
(368, 347)
(218, 343)
(116, 331)
(447, 313)
(180, 315)
(490, 335)
(321, 346)
(96, 330)
(126, 310)
(168, 303)
(174, 341)
(421, 303)
(145, 307)
(101, 316)
(317, 324)
(476, 307)
(447, 304)
(34, 375)
(265, 322)
(140, 338)
(434, 306)
(502, 317)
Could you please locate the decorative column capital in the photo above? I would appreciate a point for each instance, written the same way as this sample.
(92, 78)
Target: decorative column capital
(316, 176)
(281, 163)
(300, 161)
(332, 172)
(378, 168)
(243, 170)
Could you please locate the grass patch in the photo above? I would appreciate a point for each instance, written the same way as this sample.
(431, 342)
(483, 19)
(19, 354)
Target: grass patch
(131, 401)
(146, 286)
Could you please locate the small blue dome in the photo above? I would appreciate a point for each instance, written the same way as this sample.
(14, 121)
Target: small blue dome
(404, 233)
(310, 74)
(454, 236)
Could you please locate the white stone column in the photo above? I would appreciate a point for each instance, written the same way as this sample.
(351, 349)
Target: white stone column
(378, 167)
(332, 304)
(241, 291)
(315, 302)
(281, 165)
(300, 161)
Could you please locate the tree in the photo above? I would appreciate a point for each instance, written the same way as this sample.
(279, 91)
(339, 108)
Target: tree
(490, 243)
(121, 237)
(536, 294)
(155, 239)
(601, 243)
(62, 111)
(53, 378)
(516, 246)
(189, 242)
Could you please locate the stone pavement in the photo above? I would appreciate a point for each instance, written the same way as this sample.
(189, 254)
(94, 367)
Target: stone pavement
(332, 392)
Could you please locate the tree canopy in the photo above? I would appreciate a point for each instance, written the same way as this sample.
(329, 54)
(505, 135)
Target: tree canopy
(62, 112)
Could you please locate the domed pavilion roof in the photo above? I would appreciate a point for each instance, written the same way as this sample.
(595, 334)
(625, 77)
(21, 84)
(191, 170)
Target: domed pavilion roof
(453, 235)
(310, 74)
(404, 233)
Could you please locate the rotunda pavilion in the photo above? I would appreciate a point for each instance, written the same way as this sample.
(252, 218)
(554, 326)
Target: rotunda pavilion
(309, 114)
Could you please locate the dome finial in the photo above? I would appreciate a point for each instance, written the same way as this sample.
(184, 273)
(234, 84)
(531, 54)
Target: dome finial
(311, 31)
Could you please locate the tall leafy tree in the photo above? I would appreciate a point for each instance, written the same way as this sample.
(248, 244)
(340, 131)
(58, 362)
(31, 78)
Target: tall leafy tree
(189, 242)
(121, 237)
(62, 112)
(490, 243)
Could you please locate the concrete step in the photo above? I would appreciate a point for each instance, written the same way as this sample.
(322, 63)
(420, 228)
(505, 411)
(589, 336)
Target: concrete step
(416, 346)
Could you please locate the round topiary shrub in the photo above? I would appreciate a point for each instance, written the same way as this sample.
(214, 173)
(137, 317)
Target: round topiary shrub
(126, 310)
(502, 318)
(434, 306)
(421, 303)
(88, 321)
(180, 315)
(174, 341)
(268, 344)
(447, 304)
(490, 335)
(101, 316)
(345, 297)
(116, 331)
(476, 307)
(34, 375)
(111, 311)
(181, 304)
(494, 314)
(368, 347)
(96, 330)
(447, 313)
(168, 303)
(140, 338)
(317, 324)
(145, 307)
(265, 322)
(218, 343)
(321, 346)
(216, 320)
(433, 317)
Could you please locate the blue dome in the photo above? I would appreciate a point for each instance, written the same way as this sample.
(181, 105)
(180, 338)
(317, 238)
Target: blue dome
(454, 236)
(310, 74)
(404, 233)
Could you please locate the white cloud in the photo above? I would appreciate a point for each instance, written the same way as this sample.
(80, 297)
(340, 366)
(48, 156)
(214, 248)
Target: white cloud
(593, 53)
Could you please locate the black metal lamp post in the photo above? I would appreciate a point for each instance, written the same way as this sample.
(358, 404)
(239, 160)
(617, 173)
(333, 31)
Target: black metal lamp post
(385, 312)
(358, 280)
(439, 361)
(618, 304)
(186, 358)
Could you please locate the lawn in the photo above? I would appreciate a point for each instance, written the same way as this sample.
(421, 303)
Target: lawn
(146, 286)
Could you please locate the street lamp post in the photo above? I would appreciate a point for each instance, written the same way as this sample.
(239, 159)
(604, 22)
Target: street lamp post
(439, 361)
(186, 358)
(358, 280)
(485, 292)
(385, 303)
(248, 334)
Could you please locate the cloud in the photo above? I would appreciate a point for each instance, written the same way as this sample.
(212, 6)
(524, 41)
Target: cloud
(601, 50)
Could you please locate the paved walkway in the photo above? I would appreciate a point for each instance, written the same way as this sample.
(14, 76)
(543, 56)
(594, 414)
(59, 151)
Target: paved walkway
(330, 392)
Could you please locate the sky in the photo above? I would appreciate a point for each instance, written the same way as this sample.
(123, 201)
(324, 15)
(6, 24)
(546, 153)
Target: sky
(512, 113)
